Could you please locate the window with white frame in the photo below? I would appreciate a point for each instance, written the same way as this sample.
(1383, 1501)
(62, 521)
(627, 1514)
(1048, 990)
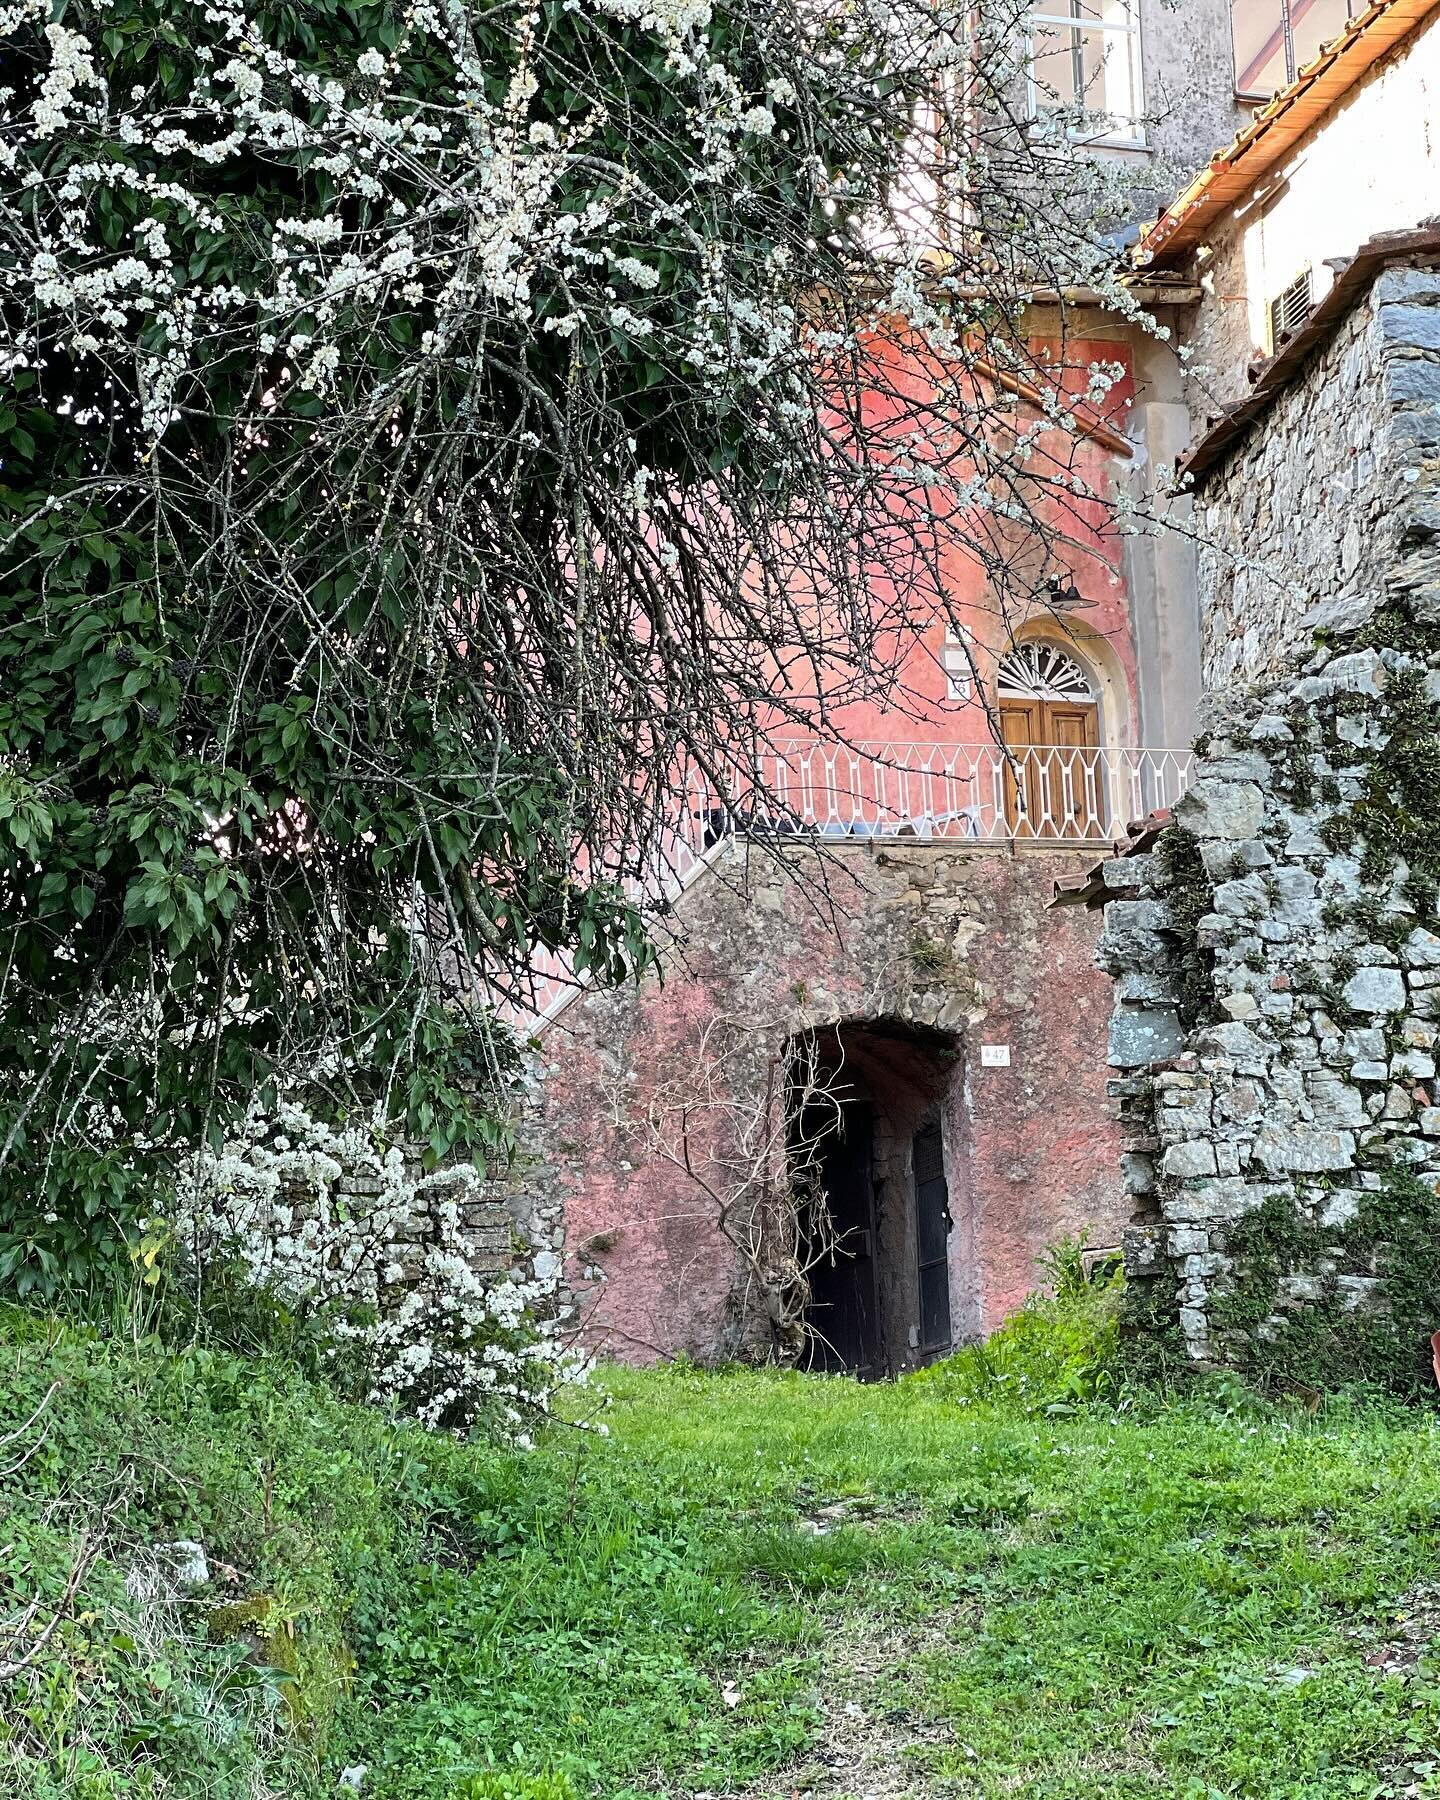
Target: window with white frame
(1085, 64)
(1274, 39)
(957, 665)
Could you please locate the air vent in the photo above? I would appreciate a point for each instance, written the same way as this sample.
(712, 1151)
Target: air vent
(1290, 309)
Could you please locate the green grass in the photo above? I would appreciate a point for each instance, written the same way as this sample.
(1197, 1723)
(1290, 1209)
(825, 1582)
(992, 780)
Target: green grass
(1129, 1599)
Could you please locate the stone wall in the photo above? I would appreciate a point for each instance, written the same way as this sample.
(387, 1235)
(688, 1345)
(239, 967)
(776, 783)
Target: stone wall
(921, 954)
(1277, 954)
(1293, 520)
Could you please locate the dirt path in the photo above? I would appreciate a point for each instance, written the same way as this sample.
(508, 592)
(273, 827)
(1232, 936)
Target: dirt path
(872, 1743)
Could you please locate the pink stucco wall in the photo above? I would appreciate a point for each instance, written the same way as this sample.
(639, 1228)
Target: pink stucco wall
(918, 934)
(923, 934)
(927, 569)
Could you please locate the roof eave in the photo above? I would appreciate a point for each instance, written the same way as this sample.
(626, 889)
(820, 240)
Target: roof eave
(1278, 126)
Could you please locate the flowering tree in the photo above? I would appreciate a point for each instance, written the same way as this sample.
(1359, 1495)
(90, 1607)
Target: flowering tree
(387, 1287)
(430, 427)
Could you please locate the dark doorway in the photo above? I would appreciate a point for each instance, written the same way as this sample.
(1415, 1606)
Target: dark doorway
(864, 1101)
(932, 1233)
(837, 1230)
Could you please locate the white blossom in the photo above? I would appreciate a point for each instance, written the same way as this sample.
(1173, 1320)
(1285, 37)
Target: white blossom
(334, 1220)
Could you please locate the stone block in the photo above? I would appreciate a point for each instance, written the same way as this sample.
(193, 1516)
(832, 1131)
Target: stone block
(1196, 1328)
(1421, 950)
(1346, 612)
(1368, 1070)
(1339, 1207)
(1222, 858)
(1147, 986)
(1304, 840)
(1234, 1040)
(1212, 808)
(1142, 1250)
(1295, 901)
(1139, 1173)
(1414, 382)
(1417, 1064)
(1336, 1103)
(1239, 1006)
(1270, 728)
(1398, 1104)
(1227, 1197)
(1402, 284)
(1302, 1149)
(1131, 935)
(1231, 761)
(1360, 1293)
(1192, 1158)
(1415, 326)
(1141, 1035)
(1212, 932)
(1429, 1120)
(1244, 898)
(1375, 990)
(1362, 672)
(1123, 874)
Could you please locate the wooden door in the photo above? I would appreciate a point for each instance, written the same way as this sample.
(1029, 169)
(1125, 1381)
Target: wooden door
(1020, 725)
(932, 1238)
(837, 1233)
(1057, 789)
(1072, 769)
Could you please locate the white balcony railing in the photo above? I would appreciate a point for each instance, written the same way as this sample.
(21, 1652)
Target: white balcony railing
(958, 795)
(1064, 797)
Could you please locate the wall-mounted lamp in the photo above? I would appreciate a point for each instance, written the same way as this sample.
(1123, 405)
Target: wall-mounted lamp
(1062, 595)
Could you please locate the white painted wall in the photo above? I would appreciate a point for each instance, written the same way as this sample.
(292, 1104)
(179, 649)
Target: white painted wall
(1372, 165)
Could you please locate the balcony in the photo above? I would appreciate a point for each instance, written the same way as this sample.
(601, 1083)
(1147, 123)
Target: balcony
(1056, 797)
(1036, 798)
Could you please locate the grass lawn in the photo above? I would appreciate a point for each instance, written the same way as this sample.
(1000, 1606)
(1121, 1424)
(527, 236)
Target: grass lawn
(757, 1584)
(1214, 1598)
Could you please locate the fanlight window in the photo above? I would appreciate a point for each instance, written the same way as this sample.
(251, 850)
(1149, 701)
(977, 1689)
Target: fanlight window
(1040, 671)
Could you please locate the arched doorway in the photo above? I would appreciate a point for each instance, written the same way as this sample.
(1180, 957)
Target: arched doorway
(1050, 720)
(868, 1173)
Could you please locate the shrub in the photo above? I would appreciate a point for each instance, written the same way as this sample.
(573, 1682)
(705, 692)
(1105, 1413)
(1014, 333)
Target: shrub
(1054, 1352)
(373, 1268)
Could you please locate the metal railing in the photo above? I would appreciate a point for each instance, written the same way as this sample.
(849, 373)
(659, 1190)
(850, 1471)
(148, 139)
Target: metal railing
(1066, 796)
(1050, 797)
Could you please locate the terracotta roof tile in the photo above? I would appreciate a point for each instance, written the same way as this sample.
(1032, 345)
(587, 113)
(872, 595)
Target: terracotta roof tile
(1278, 125)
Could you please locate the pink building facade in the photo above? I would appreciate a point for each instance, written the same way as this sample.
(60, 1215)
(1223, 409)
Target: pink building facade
(870, 1090)
(876, 1081)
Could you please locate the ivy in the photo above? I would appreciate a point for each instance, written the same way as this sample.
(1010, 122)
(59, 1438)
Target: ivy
(1394, 1236)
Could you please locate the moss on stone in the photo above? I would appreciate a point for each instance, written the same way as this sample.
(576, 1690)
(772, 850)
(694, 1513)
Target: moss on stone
(1324, 1342)
(1189, 897)
(308, 1652)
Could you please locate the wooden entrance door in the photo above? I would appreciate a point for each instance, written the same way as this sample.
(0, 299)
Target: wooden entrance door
(837, 1242)
(932, 1235)
(1054, 788)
